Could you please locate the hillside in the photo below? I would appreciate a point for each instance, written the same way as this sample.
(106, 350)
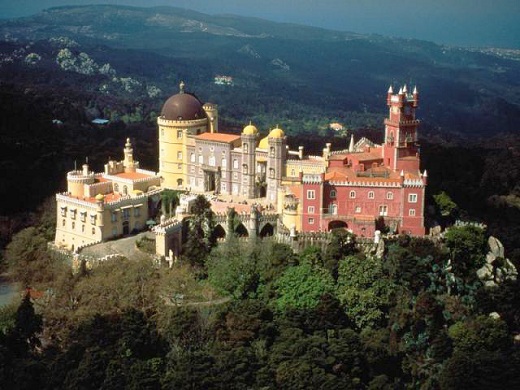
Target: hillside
(301, 77)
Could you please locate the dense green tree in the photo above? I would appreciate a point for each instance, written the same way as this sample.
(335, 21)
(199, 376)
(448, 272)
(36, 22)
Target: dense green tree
(302, 286)
(364, 290)
(467, 246)
(233, 268)
(446, 206)
(201, 236)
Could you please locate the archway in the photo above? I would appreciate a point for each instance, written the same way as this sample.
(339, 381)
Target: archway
(267, 230)
(241, 231)
(126, 228)
(219, 232)
(337, 225)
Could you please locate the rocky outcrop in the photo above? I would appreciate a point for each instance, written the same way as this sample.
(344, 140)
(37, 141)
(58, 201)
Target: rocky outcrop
(497, 268)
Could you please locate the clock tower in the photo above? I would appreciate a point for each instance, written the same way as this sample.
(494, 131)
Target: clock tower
(400, 148)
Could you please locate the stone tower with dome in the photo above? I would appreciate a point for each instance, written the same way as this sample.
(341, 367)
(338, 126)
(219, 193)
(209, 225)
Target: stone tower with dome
(183, 116)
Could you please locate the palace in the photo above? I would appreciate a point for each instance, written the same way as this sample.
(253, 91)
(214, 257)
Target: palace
(361, 188)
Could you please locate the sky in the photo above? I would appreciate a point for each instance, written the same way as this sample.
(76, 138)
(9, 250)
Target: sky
(494, 23)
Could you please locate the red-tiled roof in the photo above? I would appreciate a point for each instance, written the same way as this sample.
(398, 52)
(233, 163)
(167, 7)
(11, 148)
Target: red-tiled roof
(132, 175)
(218, 137)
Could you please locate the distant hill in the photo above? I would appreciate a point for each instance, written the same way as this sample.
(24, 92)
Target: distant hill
(296, 76)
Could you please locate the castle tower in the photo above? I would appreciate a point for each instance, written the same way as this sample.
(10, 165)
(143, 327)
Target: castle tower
(276, 159)
(401, 146)
(76, 181)
(212, 113)
(183, 116)
(249, 136)
(129, 163)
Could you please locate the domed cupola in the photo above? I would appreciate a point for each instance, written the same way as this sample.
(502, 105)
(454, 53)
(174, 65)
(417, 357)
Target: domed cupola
(183, 107)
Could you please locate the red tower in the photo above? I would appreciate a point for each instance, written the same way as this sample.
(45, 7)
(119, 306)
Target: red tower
(400, 149)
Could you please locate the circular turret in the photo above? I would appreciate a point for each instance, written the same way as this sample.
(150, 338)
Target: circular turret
(276, 133)
(250, 130)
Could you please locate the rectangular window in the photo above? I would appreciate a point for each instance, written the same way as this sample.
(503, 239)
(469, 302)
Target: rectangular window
(63, 211)
(92, 219)
(192, 157)
(311, 194)
(412, 198)
(73, 214)
(137, 212)
(358, 209)
(235, 175)
(113, 217)
(179, 155)
(371, 195)
(411, 212)
(223, 185)
(389, 195)
(93, 230)
(332, 193)
(179, 134)
(383, 210)
(126, 214)
(352, 194)
(235, 164)
(83, 216)
(311, 221)
(310, 209)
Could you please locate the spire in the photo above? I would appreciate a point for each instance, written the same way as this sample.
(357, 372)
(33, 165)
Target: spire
(402, 173)
(405, 89)
(390, 89)
(181, 87)
(425, 173)
(415, 92)
(400, 91)
(351, 146)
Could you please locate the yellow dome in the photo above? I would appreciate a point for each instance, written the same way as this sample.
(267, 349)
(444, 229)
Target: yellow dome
(250, 130)
(100, 197)
(277, 133)
(264, 143)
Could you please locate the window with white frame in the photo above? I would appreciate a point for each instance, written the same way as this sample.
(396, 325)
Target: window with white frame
(92, 219)
(333, 209)
(235, 164)
(63, 211)
(192, 157)
(201, 159)
(179, 134)
(352, 195)
(412, 198)
(83, 216)
(411, 212)
(332, 193)
(311, 194)
(211, 161)
(311, 221)
(389, 195)
(310, 209)
(358, 209)
(383, 210)
(371, 195)
(224, 163)
(179, 155)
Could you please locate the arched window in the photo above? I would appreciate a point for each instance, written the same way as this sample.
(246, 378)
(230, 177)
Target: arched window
(246, 148)
(333, 209)
(332, 193)
(371, 195)
(352, 194)
(271, 152)
(389, 195)
(125, 190)
(116, 187)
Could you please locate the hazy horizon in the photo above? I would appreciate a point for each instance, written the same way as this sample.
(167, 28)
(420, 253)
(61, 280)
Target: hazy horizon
(465, 22)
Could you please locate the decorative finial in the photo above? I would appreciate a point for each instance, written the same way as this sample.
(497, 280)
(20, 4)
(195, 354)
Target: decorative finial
(400, 91)
(425, 174)
(415, 91)
(390, 89)
(86, 160)
(405, 89)
(181, 87)
(402, 173)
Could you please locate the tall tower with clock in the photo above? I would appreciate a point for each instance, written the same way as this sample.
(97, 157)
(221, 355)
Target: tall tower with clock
(401, 148)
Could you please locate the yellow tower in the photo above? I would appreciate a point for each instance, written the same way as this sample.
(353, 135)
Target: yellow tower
(183, 116)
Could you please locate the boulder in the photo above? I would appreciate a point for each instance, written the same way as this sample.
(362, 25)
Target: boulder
(496, 247)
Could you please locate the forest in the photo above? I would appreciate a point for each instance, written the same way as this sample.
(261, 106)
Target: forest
(245, 315)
